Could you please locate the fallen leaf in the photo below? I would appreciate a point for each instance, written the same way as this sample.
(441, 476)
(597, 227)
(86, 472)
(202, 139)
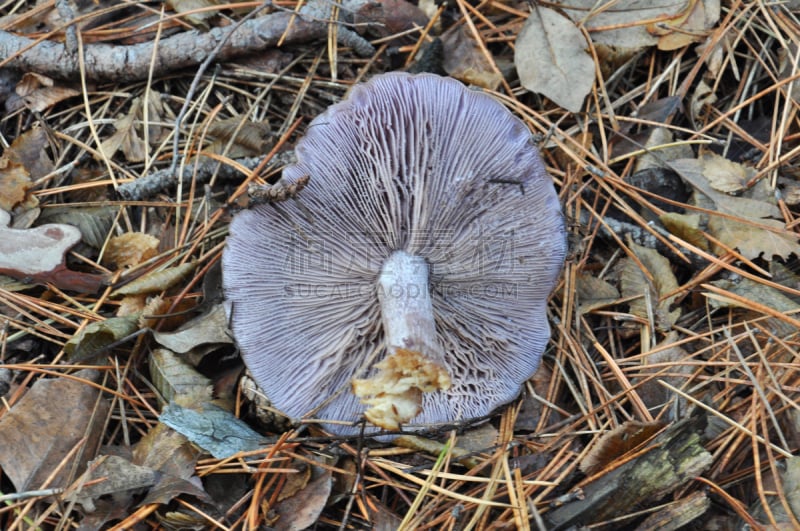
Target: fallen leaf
(754, 241)
(685, 227)
(789, 486)
(46, 424)
(130, 249)
(753, 291)
(634, 283)
(38, 93)
(212, 428)
(725, 175)
(303, 509)
(610, 58)
(623, 23)
(111, 475)
(693, 172)
(174, 377)
(654, 395)
(465, 61)
(22, 163)
(193, 11)
(757, 293)
(658, 157)
(552, 60)
(208, 328)
(785, 276)
(719, 49)
(129, 134)
(15, 183)
(616, 443)
(156, 281)
(96, 336)
(237, 137)
(702, 96)
(174, 457)
(593, 293)
(692, 25)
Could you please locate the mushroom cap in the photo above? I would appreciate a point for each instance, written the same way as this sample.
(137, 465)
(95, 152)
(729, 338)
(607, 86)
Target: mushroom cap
(407, 162)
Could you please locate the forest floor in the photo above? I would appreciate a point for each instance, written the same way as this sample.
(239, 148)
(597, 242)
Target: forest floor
(667, 396)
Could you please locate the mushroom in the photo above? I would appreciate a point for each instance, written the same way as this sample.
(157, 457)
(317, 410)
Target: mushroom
(412, 273)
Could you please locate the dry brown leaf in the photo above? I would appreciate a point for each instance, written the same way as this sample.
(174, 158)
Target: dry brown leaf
(38, 93)
(126, 138)
(172, 376)
(195, 14)
(658, 157)
(236, 139)
(22, 163)
(611, 58)
(725, 175)
(702, 95)
(208, 328)
(790, 491)
(758, 293)
(552, 60)
(753, 241)
(464, 60)
(167, 451)
(15, 183)
(593, 293)
(785, 276)
(130, 249)
(685, 227)
(654, 395)
(753, 291)
(789, 190)
(692, 25)
(693, 171)
(631, 19)
(616, 443)
(635, 284)
(156, 281)
(93, 340)
(111, 475)
(129, 135)
(46, 424)
(302, 510)
(131, 305)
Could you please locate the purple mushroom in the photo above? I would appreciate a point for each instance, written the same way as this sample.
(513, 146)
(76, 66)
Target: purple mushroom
(409, 280)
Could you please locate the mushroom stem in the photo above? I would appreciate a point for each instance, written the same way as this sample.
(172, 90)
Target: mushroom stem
(406, 308)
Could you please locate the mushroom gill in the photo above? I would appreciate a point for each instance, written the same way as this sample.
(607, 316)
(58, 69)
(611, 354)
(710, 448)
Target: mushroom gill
(429, 232)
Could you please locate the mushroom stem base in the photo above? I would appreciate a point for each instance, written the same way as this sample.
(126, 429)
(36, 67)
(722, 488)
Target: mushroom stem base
(414, 364)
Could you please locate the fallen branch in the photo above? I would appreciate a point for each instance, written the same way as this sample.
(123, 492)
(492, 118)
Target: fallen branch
(162, 180)
(121, 63)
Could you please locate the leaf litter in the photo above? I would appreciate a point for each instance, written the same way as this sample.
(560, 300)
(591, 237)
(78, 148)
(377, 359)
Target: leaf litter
(672, 123)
